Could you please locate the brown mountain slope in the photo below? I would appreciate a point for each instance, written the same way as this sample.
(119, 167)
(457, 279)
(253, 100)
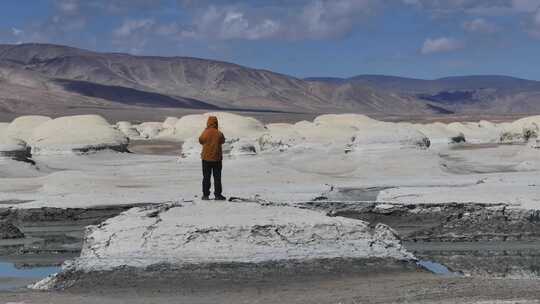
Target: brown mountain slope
(196, 83)
(486, 94)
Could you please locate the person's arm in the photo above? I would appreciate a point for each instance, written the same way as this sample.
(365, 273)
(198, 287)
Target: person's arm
(222, 138)
(202, 138)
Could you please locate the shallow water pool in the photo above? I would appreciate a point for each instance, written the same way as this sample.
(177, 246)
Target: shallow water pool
(12, 277)
(436, 268)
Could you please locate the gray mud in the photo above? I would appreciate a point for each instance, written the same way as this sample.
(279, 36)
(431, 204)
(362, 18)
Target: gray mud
(472, 239)
(476, 240)
(155, 147)
(449, 222)
(395, 287)
(49, 235)
(219, 275)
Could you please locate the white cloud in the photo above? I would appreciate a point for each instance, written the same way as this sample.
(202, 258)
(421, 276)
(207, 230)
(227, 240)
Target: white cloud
(128, 27)
(318, 19)
(68, 6)
(16, 32)
(133, 35)
(225, 23)
(329, 19)
(441, 45)
(480, 25)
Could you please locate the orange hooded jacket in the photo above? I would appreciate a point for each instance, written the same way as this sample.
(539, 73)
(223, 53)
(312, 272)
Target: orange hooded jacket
(211, 139)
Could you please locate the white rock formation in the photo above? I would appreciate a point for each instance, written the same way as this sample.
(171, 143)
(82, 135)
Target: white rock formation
(149, 130)
(232, 125)
(438, 133)
(279, 137)
(357, 121)
(170, 122)
(198, 233)
(324, 133)
(191, 148)
(168, 129)
(521, 130)
(242, 147)
(21, 128)
(79, 133)
(8, 145)
(477, 132)
(128, 129)
(389, 135)
(241, 133)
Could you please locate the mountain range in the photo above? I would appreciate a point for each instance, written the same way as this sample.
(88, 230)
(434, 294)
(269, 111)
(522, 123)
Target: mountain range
(58, 80)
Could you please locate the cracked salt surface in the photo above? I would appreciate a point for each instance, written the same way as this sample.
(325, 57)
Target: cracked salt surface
(208, 233)
(230, 232)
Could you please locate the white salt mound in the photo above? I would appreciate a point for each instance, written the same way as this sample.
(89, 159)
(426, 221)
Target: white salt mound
(76, 134)
(233, 147)
(477, 132)
(521, 130)
(149, 130)
(438, 133)
(390, 134)
(357, 121)
(324, 133)
(243, 147)
(232, 232)
(22, 127)
(168, 129)
(334, 128)
(128, 129)
(170, 122)
(279, 136)
(9, 145)
(232, 125)
(191, 148)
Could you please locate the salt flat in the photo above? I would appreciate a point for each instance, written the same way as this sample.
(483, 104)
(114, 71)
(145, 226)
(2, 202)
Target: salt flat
(284, 163)
(273, 170)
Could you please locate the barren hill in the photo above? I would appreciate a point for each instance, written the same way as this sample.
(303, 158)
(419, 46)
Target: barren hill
(58, 80)
(180, 82)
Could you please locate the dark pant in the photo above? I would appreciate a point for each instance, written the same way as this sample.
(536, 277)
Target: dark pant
(211, 168)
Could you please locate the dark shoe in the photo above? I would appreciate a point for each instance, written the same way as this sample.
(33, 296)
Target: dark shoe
(220, 197)
(205, 198)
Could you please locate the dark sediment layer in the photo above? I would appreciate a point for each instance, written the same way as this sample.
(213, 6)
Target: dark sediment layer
(23, 155)
(473, 239)
(9, 231)
(448, 222)
(193, 276)
(50, 235)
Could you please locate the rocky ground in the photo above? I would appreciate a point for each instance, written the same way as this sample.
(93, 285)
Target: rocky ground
(493, 264)
(400, 287)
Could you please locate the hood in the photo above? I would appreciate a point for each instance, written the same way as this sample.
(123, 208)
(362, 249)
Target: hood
(212, 122)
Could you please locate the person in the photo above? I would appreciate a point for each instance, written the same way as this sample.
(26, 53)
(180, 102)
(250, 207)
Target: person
(211, 140)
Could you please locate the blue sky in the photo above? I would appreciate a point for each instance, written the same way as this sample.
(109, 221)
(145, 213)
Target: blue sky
(334, 38)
